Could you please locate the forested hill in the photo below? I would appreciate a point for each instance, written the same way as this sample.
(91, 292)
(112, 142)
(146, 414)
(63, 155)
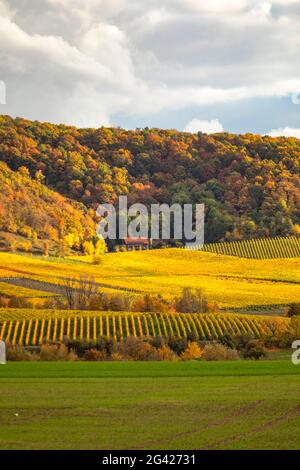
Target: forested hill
(32, 212)
(250, 184)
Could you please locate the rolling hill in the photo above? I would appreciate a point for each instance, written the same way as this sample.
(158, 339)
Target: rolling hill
(232, 282)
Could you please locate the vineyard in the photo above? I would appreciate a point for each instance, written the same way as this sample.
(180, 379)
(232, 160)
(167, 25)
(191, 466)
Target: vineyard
(231, 281)
(265, 248)
(20, 327)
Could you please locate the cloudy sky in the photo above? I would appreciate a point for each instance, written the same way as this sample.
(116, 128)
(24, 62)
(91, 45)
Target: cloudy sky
(188, 64)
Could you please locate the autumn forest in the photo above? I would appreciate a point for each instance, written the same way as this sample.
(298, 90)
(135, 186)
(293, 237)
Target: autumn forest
(250, 184)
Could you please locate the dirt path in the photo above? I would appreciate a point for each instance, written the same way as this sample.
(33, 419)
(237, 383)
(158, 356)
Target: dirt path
(55, 288)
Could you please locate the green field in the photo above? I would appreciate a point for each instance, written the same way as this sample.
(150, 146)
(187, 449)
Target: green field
(195, 405)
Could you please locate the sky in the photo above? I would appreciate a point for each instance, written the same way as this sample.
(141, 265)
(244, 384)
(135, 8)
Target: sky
(193, 65)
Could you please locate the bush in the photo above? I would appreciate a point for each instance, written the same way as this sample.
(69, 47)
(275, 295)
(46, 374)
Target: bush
(164, 353)
(19, 353)
(157, 341)
(94, 355)
(102, 344)
(118, 357)
(254, 349)
(191, 337)
(192, 352)
(294, 310)
(232, 355)
(19, 302)
(56, 352)
(136, 349)
(177, 344)
(228, 341)
(4, 301)
(219, 352)
(241, 341)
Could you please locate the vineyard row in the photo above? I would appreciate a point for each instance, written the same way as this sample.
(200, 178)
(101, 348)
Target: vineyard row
(90, 327)
(264, 248)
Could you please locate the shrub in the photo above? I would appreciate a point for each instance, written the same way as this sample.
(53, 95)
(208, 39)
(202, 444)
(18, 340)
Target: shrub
(178, 345)
(94, 355)
(19, 353)
(219, 352)
(232, 355)
(254, 349)
(157, 341)
(118, 357)
(241, 341)
(192, 352)
(19, 302)
(228, 341)
(103, 344)
(191, 337)
(136, 349)
(164, 353)
(56, 352)
(4, 301)
(294, 310)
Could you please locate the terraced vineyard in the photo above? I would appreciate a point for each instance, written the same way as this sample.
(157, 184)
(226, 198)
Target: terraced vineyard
(265, 248)
(21, 327)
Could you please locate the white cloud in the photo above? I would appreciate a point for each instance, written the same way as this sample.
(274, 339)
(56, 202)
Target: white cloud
(107, 44)
(285, 132)
(224, 6)
(208, 127)
(52, 49)
(84, 61)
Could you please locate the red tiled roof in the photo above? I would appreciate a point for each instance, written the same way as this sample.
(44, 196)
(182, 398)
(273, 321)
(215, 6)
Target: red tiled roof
(137, 240)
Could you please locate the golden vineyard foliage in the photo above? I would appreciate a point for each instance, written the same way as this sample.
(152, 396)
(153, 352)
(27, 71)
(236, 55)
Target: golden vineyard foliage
(230, 281)
(29, 327)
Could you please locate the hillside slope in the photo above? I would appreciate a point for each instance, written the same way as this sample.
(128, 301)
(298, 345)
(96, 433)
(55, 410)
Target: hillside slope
(31, 210)
(234, 283)
(250, 184)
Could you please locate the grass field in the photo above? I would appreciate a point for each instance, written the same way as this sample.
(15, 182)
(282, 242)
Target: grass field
(195, 405)
(232, 282)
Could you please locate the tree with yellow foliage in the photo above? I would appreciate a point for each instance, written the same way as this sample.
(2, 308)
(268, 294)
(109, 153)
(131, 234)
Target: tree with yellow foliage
(192, 352)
